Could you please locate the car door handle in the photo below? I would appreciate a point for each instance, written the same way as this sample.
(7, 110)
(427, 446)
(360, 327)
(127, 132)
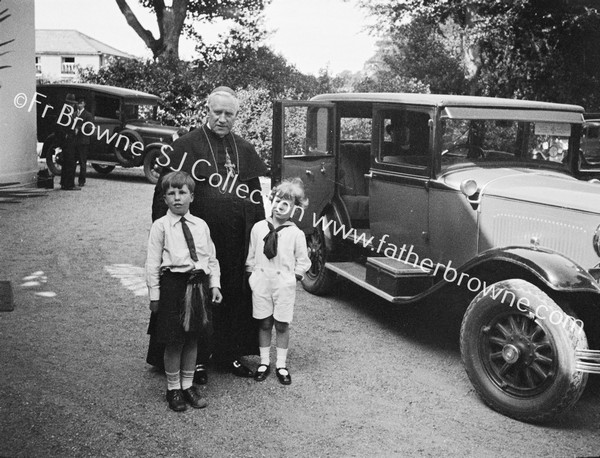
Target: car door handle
(309, 173)
(322, 167)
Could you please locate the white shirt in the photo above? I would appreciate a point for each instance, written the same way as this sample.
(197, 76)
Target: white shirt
(167, 249)
(292, 254)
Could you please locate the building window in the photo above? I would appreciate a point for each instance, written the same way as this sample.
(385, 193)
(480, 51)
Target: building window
(68, 65)
(38, 65)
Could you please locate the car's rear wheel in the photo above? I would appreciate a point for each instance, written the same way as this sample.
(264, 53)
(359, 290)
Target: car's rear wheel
(152, 169)
(54, 156)
(126, 155)
(103, 169)
(318, 280)
(520, 362)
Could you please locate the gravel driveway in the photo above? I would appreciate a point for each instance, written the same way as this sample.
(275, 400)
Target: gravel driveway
(368, 379)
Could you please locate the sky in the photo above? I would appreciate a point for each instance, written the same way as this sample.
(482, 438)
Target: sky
(310, 34)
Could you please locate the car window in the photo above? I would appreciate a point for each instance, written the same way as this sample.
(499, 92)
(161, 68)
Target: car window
(107, 107)
(489, 141)
(307, 131)
(356, 129)
(405, 139)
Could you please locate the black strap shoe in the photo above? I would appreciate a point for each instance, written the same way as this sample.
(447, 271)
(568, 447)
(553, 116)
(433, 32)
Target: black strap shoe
(284, 376)
(261, 375)
(175, 400)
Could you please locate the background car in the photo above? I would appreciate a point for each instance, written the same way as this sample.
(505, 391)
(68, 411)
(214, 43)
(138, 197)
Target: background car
(473, 200)
(125, 132)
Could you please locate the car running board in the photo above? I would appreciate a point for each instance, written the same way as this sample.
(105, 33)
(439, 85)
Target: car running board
(386, 283)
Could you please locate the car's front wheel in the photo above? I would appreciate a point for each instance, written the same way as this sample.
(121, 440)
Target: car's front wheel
(521, 363)
(318, 280)
(152, 169)
(53, 156)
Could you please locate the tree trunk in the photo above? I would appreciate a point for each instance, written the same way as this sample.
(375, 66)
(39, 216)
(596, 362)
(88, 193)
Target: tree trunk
(170, 25)
(471, 51)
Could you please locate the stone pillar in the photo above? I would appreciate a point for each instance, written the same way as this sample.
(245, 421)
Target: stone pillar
(18, 157)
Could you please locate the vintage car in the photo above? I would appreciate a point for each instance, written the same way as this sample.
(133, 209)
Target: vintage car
(479, 198)
(124, 133)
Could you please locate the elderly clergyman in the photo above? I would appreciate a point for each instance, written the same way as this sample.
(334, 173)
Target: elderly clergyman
(228, 197)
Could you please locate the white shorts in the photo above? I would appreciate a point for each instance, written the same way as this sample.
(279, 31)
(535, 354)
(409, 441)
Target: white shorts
(273, 293)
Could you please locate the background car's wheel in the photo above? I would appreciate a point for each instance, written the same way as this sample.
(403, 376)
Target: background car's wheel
(318, 280)
(522, 364)
(152, 169)
(103, 169)
(127, 156)
(53, 156)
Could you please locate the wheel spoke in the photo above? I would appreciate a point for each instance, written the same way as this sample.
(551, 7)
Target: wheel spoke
(498, 340)
(524, 324)
(505, 367)
(529, 378)
(503, 330)
(538, 370)
(543, 359)
(496, 355)
(536, 332)
(513, 323)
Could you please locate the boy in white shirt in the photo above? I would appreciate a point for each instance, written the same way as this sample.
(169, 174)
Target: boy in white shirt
(181, 261)
(277, 257)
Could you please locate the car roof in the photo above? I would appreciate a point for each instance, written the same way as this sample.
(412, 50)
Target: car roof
(138, 96)
(444, 100)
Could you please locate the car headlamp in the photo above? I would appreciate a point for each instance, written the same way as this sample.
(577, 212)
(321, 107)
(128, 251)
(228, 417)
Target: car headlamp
(469, 187)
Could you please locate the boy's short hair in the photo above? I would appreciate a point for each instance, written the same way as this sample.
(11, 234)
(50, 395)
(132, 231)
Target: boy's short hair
(290, 189)
(178, 180)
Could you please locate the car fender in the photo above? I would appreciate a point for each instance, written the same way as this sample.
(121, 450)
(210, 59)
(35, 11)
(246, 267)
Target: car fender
(154, 145)
(554, 270)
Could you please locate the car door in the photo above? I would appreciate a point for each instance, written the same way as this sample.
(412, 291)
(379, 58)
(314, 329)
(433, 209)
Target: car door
(399, 185)
(303, 147)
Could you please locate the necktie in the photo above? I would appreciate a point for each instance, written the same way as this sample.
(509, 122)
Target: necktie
(270, 249)
(189, 239)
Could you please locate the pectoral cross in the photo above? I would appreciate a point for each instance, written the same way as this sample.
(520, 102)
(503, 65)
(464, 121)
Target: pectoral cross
(230, 166)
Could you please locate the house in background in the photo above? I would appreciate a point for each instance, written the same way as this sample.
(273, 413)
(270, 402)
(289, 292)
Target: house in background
(58, 53)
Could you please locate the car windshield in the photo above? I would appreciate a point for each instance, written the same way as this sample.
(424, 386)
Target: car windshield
(523, 143)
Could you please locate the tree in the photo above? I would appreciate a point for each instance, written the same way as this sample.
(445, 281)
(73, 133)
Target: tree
(260, 67)
(541, 49)
(245, 14)
(421, 52)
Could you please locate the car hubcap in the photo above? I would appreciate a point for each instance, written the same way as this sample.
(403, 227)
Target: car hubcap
(518, 355)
